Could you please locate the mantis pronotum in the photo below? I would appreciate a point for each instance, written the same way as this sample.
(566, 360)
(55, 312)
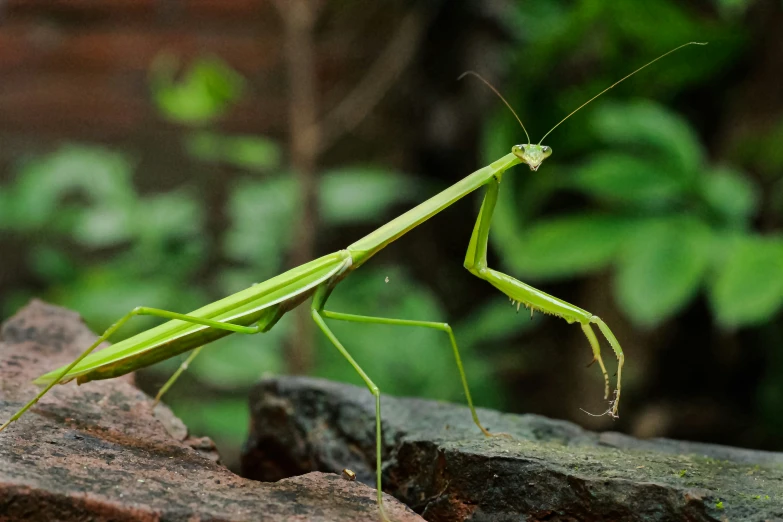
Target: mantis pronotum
(258, 308)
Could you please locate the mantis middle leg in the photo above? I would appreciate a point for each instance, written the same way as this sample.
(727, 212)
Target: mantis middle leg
(443, 327)
(182, 367)
(521, 293)
(316, 311)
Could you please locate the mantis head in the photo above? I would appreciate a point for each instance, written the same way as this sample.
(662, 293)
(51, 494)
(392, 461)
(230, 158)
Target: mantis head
(533, 155)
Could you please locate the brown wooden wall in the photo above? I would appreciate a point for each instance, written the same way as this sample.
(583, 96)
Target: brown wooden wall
(76, 70)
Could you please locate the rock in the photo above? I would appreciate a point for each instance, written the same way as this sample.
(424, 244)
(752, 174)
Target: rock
(96, 452)
(439, 463)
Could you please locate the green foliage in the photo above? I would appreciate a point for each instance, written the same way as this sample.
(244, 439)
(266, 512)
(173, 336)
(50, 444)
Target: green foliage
(624, 179)
(748, 288)
(654, 133)
(39, 198)
(548, 249)
(490, 323)
(363, 194)
(732, 197)
(205, 92)
(245, 152)
(81, 195)
(661, 267)
(256, 210)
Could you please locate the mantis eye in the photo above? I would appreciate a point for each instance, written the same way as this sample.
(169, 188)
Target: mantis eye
(545, 148)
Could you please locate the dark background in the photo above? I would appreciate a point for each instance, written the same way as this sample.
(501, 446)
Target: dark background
(166, 153)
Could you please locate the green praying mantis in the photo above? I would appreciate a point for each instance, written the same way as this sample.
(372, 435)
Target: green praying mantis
(258, 308)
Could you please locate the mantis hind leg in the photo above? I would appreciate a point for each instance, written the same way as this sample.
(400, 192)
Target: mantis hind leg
(315, 311)
(443, 327)
(182, 367)
(141, 310)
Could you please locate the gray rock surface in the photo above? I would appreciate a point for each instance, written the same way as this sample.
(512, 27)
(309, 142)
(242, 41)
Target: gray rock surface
(97, 452)
(437, 461)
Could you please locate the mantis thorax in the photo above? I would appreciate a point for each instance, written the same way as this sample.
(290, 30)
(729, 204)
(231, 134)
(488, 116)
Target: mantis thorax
(533, 155)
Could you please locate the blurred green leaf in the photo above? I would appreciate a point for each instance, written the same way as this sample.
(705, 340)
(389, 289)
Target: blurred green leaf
(171, 258)
(252, 152)
(360, 194)
(102, 176)
(206, 146)
(748, 287)
(204, 93)
(52, 264)
(103, 226)
(733, 7)
(262, 215)
(632, 21)
(627, 179)
(629, 28)
(731, 195)
(246, 152)
(167, 215)
(566, 246)
(543, 20)
(646, 123)
(661, 268)
(154, 218)
(494, 321)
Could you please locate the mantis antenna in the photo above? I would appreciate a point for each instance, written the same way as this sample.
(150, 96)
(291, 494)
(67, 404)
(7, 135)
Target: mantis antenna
(477, 75)
(617, 82)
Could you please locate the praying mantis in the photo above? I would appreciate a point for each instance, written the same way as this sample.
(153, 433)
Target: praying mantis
(258, 308)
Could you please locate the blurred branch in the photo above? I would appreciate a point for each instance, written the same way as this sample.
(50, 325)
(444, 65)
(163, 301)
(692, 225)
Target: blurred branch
(299, 17)
(384, 71)
(309, 137)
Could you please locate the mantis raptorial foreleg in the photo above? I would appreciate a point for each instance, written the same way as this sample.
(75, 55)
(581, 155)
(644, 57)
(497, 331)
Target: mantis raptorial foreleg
(590, 334)
(444, 327)
(521, 293)
(140, 310)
